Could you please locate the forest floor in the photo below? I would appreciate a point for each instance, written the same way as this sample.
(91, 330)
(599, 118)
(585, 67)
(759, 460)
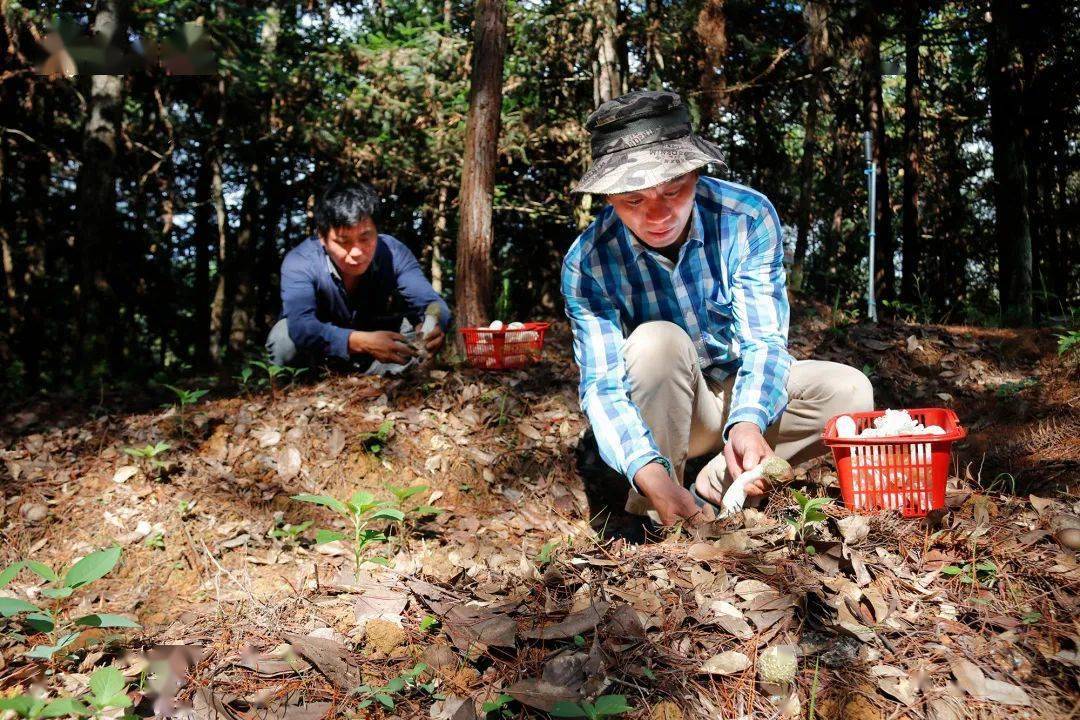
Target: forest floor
(511, 592)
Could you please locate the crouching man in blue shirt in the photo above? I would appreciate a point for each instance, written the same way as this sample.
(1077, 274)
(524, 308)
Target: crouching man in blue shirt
(345, 291)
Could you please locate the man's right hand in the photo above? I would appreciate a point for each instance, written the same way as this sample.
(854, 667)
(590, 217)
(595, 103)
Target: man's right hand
(383, 345)
(672, 501)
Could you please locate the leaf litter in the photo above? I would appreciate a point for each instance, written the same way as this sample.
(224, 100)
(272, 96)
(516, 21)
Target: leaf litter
(889, 616)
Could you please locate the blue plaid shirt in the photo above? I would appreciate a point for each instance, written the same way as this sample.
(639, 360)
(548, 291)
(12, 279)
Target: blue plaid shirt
(726, 291)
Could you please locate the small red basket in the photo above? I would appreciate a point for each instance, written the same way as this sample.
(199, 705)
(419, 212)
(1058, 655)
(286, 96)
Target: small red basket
(504, 349)
(906, 473)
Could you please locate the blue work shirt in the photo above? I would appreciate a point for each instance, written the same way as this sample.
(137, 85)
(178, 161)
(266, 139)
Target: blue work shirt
(322, 313)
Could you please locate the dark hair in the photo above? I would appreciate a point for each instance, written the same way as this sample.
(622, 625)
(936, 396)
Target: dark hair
(345, 205)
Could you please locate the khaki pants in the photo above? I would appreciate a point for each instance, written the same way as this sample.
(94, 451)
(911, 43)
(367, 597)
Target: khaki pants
(686, 411)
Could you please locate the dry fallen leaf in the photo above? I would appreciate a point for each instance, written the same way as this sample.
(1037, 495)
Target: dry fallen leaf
(725, 663)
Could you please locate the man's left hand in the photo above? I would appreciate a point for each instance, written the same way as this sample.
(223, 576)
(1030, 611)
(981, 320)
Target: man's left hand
(434, 340)
(743, 451)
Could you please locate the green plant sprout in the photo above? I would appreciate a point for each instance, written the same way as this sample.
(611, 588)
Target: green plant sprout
(287, 532)
(605, 706)
(415, 514)
(375, 442)
(384, 694)
(809, 513)
(1010, 389)
(983, 573)
(31, 707)
(272, 372)
(155, 541)
(360, 509)
(499, 705)
(148, 457)
(108, 690)
(1068, 341)
(185, 398)
(428, 623)
(547, 551)
(53, 621)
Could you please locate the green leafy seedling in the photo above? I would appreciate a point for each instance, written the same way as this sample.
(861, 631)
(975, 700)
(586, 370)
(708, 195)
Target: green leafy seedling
(983, 573)
(418, 513)
(108, 689)
(384, 695)
(289, 533)
(30, 707)
(1067, 342)
(809, 514)
(54, 620)
(428, 623)
(360, 510)
(148, 456)
(605, 706)
(184, 398)
(547, 551)
(375, 442)
(500, 705)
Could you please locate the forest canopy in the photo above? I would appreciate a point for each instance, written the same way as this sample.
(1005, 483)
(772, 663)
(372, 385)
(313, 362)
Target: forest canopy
(144, 213)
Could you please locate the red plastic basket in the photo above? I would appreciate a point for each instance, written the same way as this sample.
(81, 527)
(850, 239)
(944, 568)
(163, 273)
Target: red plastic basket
(504, 349)
(906, 473)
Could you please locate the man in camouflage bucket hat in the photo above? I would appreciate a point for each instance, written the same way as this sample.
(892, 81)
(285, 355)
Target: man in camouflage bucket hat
(677, 301)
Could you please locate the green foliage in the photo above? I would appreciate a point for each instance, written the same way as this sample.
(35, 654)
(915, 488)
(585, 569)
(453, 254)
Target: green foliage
(184, 398)
(429, 622)
(54, 620)
(605, 706)
(31, 707)
(1068, 342)
(414, 514)
(983, 572)
(500, 705)
(271, 372)
(809, 514)
(375, 442)
(148, 457)
(402, 684)
(360, 509)
(546, 552)
(108, 689)
(287, 532)
(1010, 389)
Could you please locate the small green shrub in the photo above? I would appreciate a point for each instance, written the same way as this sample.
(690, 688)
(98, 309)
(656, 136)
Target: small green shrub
(184, 398)
(360, 510)
(54, 620)
(605, 706)
(809, 513)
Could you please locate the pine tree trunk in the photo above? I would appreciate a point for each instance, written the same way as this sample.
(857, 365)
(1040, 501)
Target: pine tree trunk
(609, 80)
(209, 219)
(654, 55)
(711, 30)
(438, 240)
(1004, 68)
(96, 203)
(474, 268)
(912, 230)
(874, 114)
(816, 14)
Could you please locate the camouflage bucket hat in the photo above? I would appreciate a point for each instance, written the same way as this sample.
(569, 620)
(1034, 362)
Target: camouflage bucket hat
(642, 139)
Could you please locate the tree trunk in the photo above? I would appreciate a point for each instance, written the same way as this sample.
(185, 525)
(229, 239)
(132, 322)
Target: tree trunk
(1004, 68)
(438, 240)
(912, 230)
(474, 269)
(209, 219)
(816, 14)
(654, 56)
(96, 202)
(608, 82)
(874, 114)
(711, 29)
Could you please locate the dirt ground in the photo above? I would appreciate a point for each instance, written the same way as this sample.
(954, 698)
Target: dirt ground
(520, 587)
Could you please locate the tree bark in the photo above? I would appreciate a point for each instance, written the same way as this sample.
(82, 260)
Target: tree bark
(209, 220)
(474, 268)
(654, 55)
(912, 228)
(609, 81)
(711, 29)
(438, 240)
(96, 202)
(1004, 67)
(874, 114)
(816, 14)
